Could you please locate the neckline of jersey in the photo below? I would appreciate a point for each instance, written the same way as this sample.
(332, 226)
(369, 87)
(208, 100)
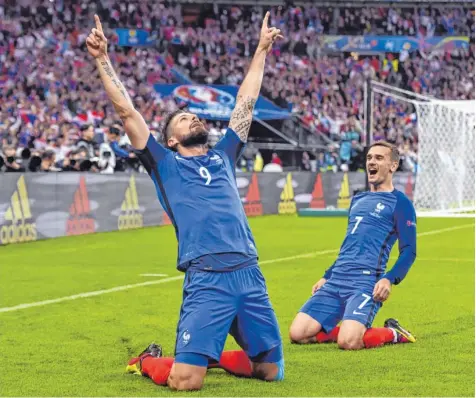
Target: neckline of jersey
(393, 191)
(193, 156)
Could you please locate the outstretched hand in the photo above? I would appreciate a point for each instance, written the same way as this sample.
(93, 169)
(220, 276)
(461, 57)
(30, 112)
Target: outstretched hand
(96, 41)
(268, 35)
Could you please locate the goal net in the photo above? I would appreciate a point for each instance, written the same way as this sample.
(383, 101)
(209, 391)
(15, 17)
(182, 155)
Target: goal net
(445, 161)
(445, 177)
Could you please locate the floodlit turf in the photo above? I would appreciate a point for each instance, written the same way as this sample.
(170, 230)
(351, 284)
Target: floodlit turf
(80, 347)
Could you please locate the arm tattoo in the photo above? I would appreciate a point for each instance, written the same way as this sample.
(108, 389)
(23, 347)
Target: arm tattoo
(242, 116)
(109, 71)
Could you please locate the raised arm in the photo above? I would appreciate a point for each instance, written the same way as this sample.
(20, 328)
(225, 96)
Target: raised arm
(134, 123)
(248, 93)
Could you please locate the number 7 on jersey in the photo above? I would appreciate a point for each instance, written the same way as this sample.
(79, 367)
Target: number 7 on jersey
(358, 220)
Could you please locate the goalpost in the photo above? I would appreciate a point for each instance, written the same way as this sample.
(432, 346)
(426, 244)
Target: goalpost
(445, 173)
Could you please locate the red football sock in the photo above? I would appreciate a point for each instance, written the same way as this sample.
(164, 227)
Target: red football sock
(158, 369)
(236, 363)
(330, 337)
(376, 337)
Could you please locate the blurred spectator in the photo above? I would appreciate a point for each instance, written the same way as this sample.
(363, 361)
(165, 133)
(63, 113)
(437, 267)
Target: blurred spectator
(408, 157)
(321, 162)
(43, 163)
(49, 86)
(332, 160)
(275, 159)
(258, 163)
(87, 141)
(306, 162)
(11, 164)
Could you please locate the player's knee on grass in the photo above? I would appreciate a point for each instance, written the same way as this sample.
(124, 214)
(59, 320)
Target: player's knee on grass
(269, 371)
(188, 372)
(303, 328)
(269, 365)
(350, 343)
(351, 335)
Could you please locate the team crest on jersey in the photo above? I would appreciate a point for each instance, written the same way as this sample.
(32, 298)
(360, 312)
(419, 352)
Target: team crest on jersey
(186, 337)
(378, 209)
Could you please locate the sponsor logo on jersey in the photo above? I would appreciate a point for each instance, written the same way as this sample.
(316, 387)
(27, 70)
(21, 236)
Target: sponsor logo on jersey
(80, 220)
(19, 225)
(130, 216)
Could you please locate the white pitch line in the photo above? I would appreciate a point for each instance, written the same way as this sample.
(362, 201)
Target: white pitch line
(127, 287)
(153, 275)
(455, 260)
(89, 294)
(175, 278)
(312, 254)
(439, 231)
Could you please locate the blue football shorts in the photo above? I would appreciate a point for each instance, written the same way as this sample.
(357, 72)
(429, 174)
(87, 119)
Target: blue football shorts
(340, 300)
(216, 304)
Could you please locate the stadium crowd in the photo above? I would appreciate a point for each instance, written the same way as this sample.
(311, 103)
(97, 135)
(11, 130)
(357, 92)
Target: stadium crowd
(54, 114)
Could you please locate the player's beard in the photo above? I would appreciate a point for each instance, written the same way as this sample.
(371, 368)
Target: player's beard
(193, 139)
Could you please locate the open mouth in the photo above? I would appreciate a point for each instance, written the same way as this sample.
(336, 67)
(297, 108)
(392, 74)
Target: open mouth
(373, 172)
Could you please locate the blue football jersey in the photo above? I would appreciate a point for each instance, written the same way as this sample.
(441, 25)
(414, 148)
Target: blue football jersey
(376, 221)
(200, 196)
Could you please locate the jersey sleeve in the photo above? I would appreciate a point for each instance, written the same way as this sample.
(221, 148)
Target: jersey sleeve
(231, 145)
(118, 151)
(152, 154)
(405, 226)
(328, 272)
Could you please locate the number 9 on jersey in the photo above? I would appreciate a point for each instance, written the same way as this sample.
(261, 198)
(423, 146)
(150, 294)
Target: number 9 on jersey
(204, 173)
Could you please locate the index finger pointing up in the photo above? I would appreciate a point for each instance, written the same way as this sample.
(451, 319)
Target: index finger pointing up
(98, 23)
(265, 20)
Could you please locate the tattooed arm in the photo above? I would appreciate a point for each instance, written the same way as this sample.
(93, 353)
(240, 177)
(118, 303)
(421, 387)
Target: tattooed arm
(134, 124)
(248, 93)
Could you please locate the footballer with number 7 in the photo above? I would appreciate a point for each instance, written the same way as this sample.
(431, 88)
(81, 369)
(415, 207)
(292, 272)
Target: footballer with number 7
(353, 289)
(224, 290)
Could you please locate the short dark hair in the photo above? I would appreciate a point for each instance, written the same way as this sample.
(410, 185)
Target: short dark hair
(394, 154)
(114, 130)
(47, 155)
(84, 127)
(166, 124)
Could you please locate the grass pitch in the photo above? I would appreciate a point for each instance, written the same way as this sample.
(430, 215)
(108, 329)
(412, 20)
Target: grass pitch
(80, 347)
